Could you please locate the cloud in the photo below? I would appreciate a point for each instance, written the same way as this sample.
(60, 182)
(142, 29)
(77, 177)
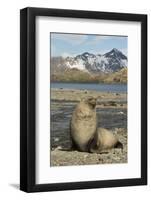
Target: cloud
(100, 38)
(68, 44)
(73, 39)
(124, 51)
(94, 39)
(77, 39)
(68, 55)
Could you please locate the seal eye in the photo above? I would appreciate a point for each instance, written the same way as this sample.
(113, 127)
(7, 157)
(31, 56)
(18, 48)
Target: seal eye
(91, 101)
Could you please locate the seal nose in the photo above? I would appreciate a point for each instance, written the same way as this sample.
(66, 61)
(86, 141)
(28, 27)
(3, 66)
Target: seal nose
(93, 101)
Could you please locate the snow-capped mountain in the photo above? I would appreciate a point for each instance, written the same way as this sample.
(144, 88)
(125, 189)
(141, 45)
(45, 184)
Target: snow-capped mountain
(111, 61)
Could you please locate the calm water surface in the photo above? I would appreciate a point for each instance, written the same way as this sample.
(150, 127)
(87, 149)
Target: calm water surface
(102, 87)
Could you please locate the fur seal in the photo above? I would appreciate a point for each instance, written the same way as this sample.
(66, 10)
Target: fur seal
(104, 140)
(83, 124)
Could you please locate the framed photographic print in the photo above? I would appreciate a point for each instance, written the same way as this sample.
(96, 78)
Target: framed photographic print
(83, 99)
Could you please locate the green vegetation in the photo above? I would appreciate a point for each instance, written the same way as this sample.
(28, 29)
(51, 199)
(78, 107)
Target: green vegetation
(116, 77)
(75, 75)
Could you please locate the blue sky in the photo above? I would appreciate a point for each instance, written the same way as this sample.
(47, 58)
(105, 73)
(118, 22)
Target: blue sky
(74, 44)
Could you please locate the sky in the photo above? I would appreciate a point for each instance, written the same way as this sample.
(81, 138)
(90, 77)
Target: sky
(75, 44)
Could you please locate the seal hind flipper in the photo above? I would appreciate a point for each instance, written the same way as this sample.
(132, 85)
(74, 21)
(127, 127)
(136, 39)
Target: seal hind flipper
(118, 145)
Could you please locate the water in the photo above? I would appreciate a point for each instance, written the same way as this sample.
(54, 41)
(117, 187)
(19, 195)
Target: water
(102, 87)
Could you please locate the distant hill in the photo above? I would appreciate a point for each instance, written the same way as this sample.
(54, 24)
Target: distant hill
(109, 67)
(116, 77)
(75, 75)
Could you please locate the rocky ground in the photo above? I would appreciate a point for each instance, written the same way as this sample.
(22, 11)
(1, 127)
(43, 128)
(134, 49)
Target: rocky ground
(63, 157)
(103, 98)
(112, 114)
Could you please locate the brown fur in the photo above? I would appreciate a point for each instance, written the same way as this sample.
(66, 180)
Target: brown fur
(84, 132)
(104, 140)
(84, 123)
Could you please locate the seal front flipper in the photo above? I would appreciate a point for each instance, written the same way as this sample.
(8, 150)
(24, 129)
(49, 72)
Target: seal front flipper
(94, 146)
(73, 145)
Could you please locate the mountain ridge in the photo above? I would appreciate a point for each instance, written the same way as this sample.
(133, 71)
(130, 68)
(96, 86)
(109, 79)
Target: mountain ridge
(109, 62)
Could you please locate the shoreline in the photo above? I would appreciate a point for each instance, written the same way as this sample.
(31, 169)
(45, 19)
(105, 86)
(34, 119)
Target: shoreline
(88, 82)
(104, 99)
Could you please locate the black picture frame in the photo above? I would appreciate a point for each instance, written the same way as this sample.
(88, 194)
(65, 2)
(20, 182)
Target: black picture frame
(28, 99)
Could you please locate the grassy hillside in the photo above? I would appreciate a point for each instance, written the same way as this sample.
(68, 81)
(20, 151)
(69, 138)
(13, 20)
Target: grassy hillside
(117, 77)
(75, 75)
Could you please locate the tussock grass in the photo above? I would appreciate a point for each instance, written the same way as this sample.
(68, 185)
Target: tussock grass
(75, 75)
